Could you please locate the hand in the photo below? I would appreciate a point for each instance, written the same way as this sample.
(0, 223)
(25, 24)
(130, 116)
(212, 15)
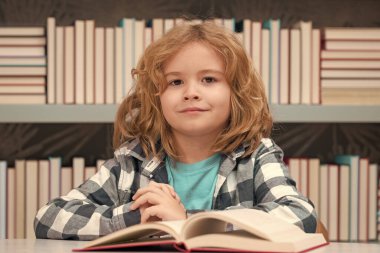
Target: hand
(158, 201)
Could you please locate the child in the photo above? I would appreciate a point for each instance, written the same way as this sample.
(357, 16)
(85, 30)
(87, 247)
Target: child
(192, 136)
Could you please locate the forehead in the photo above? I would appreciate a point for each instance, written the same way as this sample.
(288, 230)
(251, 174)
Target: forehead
(195, 55)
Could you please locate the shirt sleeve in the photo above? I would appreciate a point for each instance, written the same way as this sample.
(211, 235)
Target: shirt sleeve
(93, 209)
(275, 191)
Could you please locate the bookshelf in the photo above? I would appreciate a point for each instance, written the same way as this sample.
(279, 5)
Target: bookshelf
(106, 114)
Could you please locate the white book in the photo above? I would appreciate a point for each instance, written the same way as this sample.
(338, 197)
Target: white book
(284, 66)
(351, 33)
(229, 23)
(247, 35)
(23, 62)
(3, 199)
(353, 162)
(89, 62)
(304, 176)
(349, 55)
(128, 26)
(351, 83)
(350, 64)
(66, 180)
(349, 74)
(89, 172)
(139, 39)
(11, 203)
(59, 65)
(23, 99)
(306, 40)
(55, 177)
(295, 66)
(22, 71)
(333, 201)
(315, 67)
(168, 24)
(118, 65)
(43, 182)
(31, 195)
(295, 170)
(373, 189)
(323, 212)
(344, 203)
(22, 80)
(265, 61)
(313, 179)
(69, 85)
(22, 31)
(110, 65)
(360, 45)
(51, 86)
(22, 89)
(274, 72)
(256, 45)
(158, 28)
(99, 65)
(148, 36)
(23, 51)
(79, 61)
(78, 171)
(23, 41)
(363, 199)
(20, 199)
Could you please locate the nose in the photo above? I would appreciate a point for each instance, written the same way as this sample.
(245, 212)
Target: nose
(191, 92)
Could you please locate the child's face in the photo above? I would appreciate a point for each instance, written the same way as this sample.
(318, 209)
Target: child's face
(196, 101)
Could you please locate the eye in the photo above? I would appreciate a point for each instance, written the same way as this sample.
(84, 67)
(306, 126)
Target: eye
(176, 82)
(208, 79)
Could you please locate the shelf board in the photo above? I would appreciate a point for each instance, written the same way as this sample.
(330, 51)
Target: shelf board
(106, 114)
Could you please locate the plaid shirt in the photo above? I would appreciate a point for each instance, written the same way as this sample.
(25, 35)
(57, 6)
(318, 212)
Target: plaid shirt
(101, 204)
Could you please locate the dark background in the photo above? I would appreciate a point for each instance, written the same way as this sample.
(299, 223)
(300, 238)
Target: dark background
(94, 141)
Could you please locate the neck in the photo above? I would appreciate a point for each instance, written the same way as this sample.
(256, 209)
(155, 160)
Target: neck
(193, 149)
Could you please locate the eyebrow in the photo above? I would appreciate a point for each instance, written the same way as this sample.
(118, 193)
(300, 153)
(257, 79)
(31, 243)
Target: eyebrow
(201, 72)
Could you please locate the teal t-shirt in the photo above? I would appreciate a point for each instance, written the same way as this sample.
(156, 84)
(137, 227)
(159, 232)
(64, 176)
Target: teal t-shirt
(194, 183)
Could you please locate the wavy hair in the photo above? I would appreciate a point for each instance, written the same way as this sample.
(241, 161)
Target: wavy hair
(140, 114)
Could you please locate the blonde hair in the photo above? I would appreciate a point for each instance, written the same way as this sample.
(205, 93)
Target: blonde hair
(140, 115)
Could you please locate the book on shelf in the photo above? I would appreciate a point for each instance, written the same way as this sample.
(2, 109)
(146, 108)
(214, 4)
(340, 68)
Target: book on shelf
(349, 55)
(3, 198)
(69, 65)
(79, 58)
(22, 31)
(350, 96)
(360, 45)
(350, 64)
(351, 33)
(350, 73)
(11, 203)
(110, 65)
(284, 66)
(22, 61)
(211, 231)
(22, 41)
(23, 99)
(99, 65)
(7, 51)
(59, 74)
(51, 55)
(295, 66)
(22, 71)
(89, 63)
(22, 89)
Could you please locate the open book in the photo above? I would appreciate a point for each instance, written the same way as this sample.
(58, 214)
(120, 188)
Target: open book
(229, 230)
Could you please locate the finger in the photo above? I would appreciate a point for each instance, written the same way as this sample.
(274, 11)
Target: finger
(153, 211)
(149, 188)
(148, 198)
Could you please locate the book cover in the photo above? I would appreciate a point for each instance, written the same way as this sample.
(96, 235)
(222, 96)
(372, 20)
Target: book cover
(254, 231)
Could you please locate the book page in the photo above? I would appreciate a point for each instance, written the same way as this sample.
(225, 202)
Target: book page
(256, 222)
(147, 231)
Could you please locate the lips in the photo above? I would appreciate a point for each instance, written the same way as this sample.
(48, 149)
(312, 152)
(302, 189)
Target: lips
(193, 109)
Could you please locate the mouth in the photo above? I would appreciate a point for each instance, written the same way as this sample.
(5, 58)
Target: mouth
(193, 109)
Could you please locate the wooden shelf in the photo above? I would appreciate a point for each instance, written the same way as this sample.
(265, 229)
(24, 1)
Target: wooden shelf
(106, 114)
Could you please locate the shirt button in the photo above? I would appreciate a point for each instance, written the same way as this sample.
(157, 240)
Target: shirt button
(151, 176)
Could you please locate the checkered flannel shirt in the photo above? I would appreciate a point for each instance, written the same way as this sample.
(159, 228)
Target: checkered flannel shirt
(101, 204)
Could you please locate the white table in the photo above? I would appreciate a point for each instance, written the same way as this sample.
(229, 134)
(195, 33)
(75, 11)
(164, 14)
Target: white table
(58, 246)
